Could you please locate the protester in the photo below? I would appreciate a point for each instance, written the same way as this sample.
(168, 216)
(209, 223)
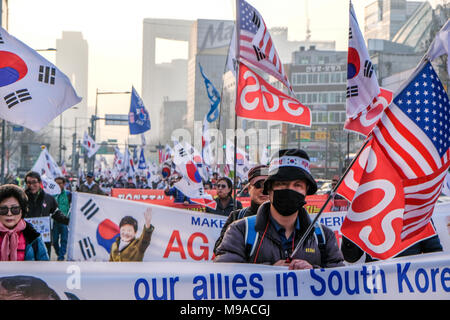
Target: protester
(42, 205)
(256, 177)
(130, 184)
(225, 202)
(90, 186)
(179, 196)
(60, 231)
(214, 179)
(338, 202)
(127, 247)
(280, 223)
(19, 241)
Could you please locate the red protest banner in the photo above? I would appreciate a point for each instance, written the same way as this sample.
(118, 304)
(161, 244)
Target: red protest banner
(313, 203)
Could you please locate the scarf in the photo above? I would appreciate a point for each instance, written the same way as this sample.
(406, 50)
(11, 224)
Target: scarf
(123, 244)
(8, 250)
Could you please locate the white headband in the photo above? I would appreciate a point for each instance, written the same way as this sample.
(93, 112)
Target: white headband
(289, 161)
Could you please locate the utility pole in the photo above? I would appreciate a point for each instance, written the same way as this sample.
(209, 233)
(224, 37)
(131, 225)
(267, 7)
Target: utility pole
(93, 132)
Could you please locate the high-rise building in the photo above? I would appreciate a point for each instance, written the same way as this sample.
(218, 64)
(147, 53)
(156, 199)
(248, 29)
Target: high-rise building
(395, 58)
(208, 44)
(72, 59)
(173, 115)
(208, 47)
(384, 18)
(319, 79)
(162, 81)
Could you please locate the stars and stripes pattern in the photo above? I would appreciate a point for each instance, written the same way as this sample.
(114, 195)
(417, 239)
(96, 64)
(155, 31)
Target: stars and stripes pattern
(414, 133)
(255, 43)
(415, 129)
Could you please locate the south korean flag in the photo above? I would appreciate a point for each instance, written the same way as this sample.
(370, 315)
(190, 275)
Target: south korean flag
(32, 90)
(362, 84)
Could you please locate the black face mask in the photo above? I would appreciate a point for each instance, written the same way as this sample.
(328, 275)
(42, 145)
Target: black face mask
(287, 201)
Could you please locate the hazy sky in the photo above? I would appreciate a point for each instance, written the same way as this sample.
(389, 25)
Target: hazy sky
(113, 29)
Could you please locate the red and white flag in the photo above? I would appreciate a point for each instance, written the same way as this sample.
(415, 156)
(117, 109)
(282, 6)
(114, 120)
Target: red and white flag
(46, 165)
(351, 181)
(376, 217)
(365, 121)
(33, 91)
(255, 43)
(257, 99)
(407, 162)
(366, 101)
(90, 145)
(191, 183)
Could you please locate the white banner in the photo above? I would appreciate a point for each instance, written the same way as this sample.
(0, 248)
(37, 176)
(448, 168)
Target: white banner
(440, 218)
(179, 235)
(42, 225)
(420, 277)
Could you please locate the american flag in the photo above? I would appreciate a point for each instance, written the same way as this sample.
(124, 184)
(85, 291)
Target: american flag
(414, 133)
(255, 43)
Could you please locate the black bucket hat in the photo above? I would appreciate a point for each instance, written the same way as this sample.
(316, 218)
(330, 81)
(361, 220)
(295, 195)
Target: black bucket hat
(288, 165)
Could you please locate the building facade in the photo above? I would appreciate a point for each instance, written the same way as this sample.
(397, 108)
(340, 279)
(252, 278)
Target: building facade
(162, 81)
(319, 80)
(72, 58)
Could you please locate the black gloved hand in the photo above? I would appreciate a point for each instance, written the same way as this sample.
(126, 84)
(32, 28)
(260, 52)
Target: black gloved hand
(58, 216)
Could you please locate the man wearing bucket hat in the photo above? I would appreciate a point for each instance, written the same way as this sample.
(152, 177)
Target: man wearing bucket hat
(271, 236)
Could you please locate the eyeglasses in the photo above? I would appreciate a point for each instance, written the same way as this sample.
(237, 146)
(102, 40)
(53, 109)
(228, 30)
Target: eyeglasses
(32, 182)
(14, 210)
(259, 184)
(221, 186)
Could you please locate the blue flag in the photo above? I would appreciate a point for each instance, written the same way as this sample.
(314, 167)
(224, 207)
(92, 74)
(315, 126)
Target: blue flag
(138, 118)
(142, 165)
(214, 98)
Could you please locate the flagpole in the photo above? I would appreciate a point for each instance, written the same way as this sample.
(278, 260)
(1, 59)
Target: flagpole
(237, 28)
(330, 196)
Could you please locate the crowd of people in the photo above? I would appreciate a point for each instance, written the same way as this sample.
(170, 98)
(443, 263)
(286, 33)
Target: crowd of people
(268, 231)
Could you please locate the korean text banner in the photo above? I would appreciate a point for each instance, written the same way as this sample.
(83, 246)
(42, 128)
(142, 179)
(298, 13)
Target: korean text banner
(178, 235)
(420, 277)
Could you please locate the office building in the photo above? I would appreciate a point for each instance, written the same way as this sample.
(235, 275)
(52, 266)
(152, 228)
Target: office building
(162, 81)
(319, 79)
(72, 59)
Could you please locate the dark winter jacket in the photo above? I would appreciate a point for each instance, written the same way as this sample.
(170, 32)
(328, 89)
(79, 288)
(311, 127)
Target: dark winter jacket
(224, 211)
(235, 215)
(44, 205)
(353, 253)
(94, 189)
(234, 249)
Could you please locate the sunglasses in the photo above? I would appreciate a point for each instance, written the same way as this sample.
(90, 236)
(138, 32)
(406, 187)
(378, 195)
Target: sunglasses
(14, 210)
(259, 184)
(222, 186)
